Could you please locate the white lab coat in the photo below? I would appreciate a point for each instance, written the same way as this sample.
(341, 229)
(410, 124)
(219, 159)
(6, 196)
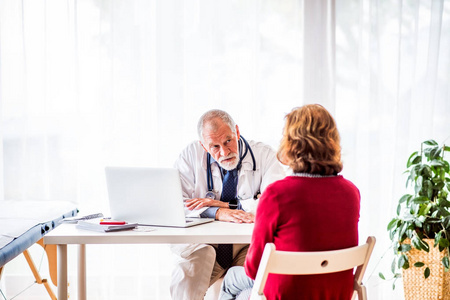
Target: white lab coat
(192, 166)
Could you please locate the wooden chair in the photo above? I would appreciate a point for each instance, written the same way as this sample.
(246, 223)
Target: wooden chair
(307, 263)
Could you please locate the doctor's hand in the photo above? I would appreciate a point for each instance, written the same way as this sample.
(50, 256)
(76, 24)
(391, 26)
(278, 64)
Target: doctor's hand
(197, 203)
(234, 215)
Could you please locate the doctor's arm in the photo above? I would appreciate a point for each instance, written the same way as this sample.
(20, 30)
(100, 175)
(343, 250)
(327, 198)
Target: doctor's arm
(197, 203)
(207, 208)
(234, 215)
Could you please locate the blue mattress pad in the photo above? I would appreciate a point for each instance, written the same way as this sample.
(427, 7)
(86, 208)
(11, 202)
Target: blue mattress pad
(23, 223)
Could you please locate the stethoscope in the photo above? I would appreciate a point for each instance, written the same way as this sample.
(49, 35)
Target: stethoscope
(210, 193)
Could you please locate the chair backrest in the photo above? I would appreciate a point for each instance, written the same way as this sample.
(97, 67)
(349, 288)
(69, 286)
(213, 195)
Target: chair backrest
(319, 262)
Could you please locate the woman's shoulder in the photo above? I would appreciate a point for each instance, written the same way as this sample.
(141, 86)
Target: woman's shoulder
(305, 181)
(280, 184)
(347, 182)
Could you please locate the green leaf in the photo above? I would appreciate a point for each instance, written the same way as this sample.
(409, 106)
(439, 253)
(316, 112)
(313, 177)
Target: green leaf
(414, 209)
(418, 185)
(420, 200)
(419, 264)
(443, 212)
(393, 266)
(424, 246)
(417, 160)
(392, 223)
(426, 153)
(427, 209)
(431, 143)
(408, 180)
(436, 180)
(432, 152)
(392, 234)
(402, 230)
(409, 232)
(381, 276)
(412, 158)
(444, 243)
(426, 273)
(405, 247)
(446, 148)
(404, 198)
(437, 238)
(438, 186)
(433, 220)
(446, 262)
(437, 163)
(419, 244)
(435, 153)
(425, 171)
(427, 228)
(423, 211)
(446, 222)
(418, 223)
(427, 184)
(403, 262)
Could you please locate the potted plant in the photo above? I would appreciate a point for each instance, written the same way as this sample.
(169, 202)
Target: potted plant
(420, 232)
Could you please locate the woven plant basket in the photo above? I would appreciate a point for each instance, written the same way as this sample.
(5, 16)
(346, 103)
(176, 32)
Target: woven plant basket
(437, 285)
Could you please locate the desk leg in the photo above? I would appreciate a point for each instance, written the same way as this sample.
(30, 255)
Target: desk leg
(62, 272)
(82, 272)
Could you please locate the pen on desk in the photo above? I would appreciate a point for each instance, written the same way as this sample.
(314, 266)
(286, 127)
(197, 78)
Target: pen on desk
(111, 222)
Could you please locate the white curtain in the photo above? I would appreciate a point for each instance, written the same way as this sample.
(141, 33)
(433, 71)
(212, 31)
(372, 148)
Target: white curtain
(392, 93)
(90, 83)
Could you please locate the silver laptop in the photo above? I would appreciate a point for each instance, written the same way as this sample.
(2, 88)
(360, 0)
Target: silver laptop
(148, 196)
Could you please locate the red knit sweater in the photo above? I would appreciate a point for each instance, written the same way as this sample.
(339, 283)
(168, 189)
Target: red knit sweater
(306, 214)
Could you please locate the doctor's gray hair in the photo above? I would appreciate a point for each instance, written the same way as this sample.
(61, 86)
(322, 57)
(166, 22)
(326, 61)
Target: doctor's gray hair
(209, 116)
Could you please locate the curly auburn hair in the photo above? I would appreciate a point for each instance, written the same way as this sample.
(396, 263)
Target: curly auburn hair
(311, 142)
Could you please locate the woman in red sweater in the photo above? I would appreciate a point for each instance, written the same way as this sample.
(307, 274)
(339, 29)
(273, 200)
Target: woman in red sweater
(314, 209)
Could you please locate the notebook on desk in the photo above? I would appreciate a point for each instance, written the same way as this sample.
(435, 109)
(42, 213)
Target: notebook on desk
(148, 196)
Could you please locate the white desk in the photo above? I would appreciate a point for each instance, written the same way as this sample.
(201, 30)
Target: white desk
(66, 234)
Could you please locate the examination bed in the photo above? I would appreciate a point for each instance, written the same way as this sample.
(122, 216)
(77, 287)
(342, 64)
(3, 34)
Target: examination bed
(24, 223)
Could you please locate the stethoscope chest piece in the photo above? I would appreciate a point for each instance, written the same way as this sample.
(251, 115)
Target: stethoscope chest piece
(210, 195)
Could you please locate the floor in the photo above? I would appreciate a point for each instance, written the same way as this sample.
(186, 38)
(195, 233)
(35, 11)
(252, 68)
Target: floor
(27, 289)
(24, 290)
(18, 282)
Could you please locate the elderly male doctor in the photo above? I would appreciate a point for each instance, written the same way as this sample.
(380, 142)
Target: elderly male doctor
(222, 176)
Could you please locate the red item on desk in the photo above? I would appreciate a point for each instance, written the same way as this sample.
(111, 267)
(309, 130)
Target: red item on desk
(110, 222)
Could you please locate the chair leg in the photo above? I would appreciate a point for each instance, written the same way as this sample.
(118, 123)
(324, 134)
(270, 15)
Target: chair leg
(359, 290)
(362, 293)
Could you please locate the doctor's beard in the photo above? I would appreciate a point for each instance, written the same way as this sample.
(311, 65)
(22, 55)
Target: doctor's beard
(229, 165)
